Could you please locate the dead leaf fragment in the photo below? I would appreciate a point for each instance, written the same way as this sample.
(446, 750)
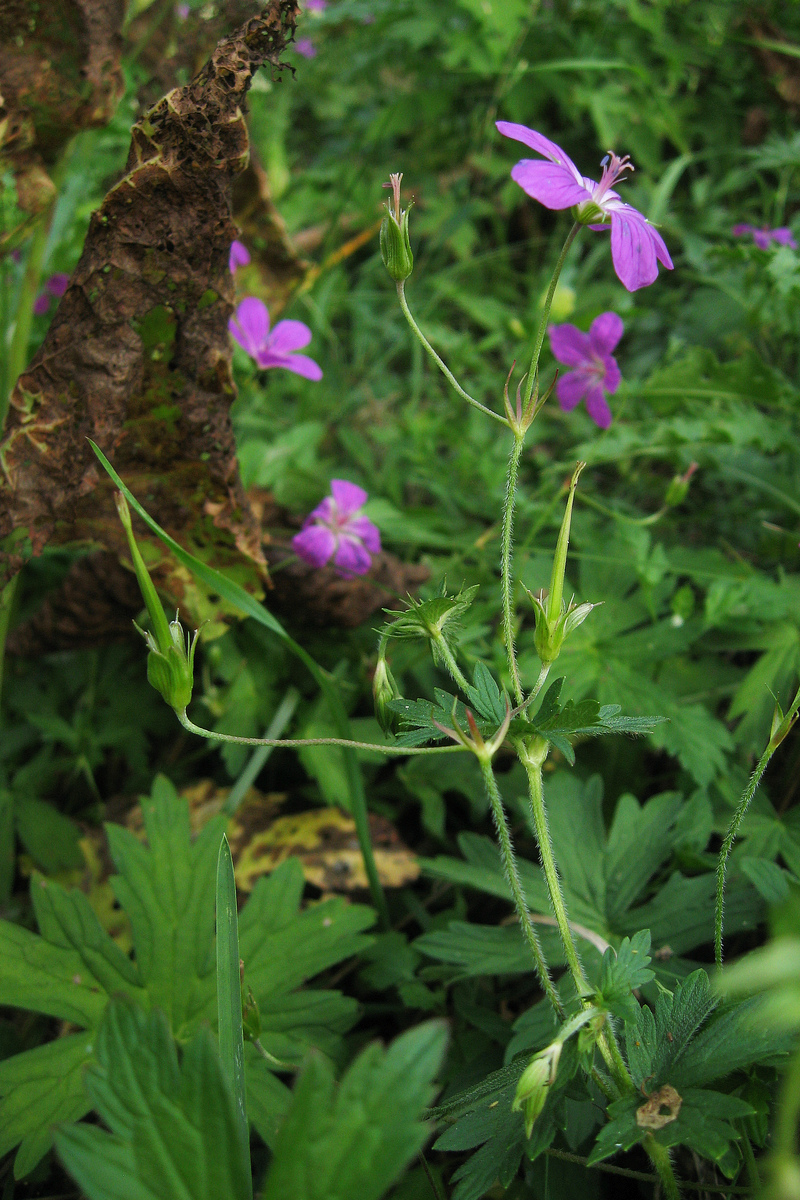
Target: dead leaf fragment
(661, 1108)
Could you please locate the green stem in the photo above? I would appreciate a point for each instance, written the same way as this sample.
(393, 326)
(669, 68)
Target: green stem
(345, 743)
(514, 882)
(537, 687)
(448, 658)
(659, 1157)
(606, 1040)
(506, 552)
(786, 1123)
(738, 817)
(448, 374)
(533, 369)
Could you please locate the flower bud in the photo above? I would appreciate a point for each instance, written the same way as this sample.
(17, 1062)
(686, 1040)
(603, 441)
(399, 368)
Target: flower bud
(678, 488)
(537, 1077)
(170, 662)
(394, 239)
(384, 689)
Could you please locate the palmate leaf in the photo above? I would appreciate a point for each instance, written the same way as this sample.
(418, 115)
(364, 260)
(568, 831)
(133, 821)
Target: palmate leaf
(624, 970)
(354, 1140)
(174, 1134)
(167, 889)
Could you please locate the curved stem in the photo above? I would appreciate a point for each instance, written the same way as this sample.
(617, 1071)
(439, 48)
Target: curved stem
(514, 882)
(212, 736)
(448, 658)
(448, 374)
(738, 817)
(533, 369)
(537, 687)
(506, 551)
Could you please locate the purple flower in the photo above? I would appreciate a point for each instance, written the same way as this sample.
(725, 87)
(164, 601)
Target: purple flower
(636, 246)
(316, 5)
(239, 256)
(336, 529)
(595, 371)
(56, 286)
(183, 11)
(762, 237)
(250, 328)
(306, 47)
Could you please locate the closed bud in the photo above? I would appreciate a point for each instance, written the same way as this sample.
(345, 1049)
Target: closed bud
(678, 488)
(538, 1076)
(394, 239)
(171, 670)
(384, 690)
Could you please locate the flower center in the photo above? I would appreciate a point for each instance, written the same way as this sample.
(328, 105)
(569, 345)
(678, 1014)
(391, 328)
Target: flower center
(613, 169)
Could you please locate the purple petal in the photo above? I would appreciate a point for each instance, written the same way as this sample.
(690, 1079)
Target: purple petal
(612, 376)
(325, 511)
(41, 304)
(300, 364)
(239, 256)
(571, 388)
(288, 336)
(783, 237)
(363, 529)
(550, 184)
(633, 250)
(605, 331)
(570, 345)
(349, 497)
(541, 144)
(57, 284)
(597, 407)
(314, 545)
(351, 558)
(250, 325)
(306, 47)
(741, 230)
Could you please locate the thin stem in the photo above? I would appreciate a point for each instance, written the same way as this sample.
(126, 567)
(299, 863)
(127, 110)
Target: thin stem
(449, 376)
(506, 552)
(278, 1063)
(537, 687)
(533, 369)
(448, 658)
(606, 1039)
(212, 736)
(439, 1195)
(736, 821)
(659, 1157)
(725, 1189)
(514, 882)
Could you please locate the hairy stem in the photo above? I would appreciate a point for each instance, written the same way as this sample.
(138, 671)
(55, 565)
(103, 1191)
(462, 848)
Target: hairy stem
(506, 552)
(448, 374)
(606, 1039)
(514, 882)
(738, 817)
(537, 687)
(659, 1157)
(448, 658)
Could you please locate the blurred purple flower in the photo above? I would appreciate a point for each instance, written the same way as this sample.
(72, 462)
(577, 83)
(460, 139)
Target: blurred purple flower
(636, 246)
(762, 237)
(56, 286)
(239, 256)
(316, 5)
(306, 47)
(595, 371)
(250, 328)
(336, 529)
(183, 11)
